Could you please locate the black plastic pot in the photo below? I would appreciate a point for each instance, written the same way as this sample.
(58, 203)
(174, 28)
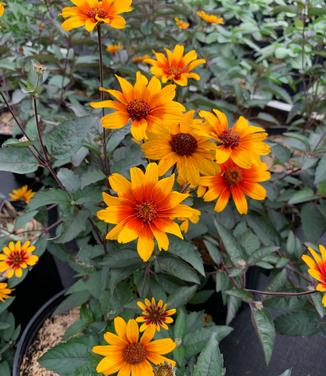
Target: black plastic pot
(32, 328)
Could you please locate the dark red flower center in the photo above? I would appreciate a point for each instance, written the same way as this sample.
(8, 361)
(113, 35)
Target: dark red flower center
(155, 315)
(16, 258)
(229, 138)
(232, 176)
(174, 72)
(138, 109)
(183, 144)
(146, 211)
(134, 353)
(97, 12)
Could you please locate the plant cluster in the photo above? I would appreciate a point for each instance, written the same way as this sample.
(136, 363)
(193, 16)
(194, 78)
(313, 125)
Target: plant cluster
(161, 204)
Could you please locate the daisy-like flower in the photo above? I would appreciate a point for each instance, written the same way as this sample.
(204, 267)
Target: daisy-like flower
(155, 314)
(181, 24)
(236, 181)
(128, 353)
(317, 268)
(243, 143)
(23, 193)
(140, 59)
(144, 210)
(2, 8)
(16, 257)
(175, 66)
(210, 18)
(182, 144)
(4, 291)
(113, 48)
(145, 104)
(89, 13)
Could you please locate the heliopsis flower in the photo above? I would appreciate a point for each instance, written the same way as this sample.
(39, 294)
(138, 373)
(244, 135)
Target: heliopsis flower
(210, 18)
(144, 210)
(2, 8)
(114, 48)
(175, 65)
(155, 314)
(23, 193)
(4, 291)
(89, 13)
(16, 257)
(146, 104)
(243, 143)
(181, 144)
(140, 59)
(164, 369)
(317, 266)
(127, 352)
(236, 181)
(181, 24)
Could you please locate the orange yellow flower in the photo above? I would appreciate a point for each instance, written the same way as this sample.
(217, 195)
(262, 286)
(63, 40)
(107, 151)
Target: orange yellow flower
(210, 18)
(89, 13)
(317, 265)
(4, 291)
(16, 257)
(140, 59)
(175, 65)
(146, 105)
(144, 210)
(181, 24)
(236, 181)
(114, 48)
(2, 8)
(23, 193)
(128, 353)
(181, 144)
(155, 314)
(243, 143)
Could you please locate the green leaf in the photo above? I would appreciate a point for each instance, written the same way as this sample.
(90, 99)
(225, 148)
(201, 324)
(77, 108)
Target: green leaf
(67, 357)
(69, 179)
(48, 197)
(265, 329)
(180, 325)
(177, 268)
(182, 296)
(263, 229)
(73, 227)
(304, 195)
(210, 360)
(18, 161)
(313, 222)
(241, 294)
(233, 305)
(301, 323)
(4, 369)
(232, 247)
(66, 139)
(320, 174)
(188, 252)
(194, 341)
(91, 176)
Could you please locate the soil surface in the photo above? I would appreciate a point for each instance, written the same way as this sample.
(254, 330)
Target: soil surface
(50, 334)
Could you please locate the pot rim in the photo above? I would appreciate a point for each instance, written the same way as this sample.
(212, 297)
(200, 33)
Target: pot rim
(33, 327)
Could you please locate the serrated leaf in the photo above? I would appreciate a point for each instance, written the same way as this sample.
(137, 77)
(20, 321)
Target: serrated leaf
(320, 174)
(182, 296)
(210, 360)
(188, 252)
(233, 249)
(265, 329)
(288, 372)
(313, 222)
(195, 341)
(178, 268)
(180, 325)
(304, 195)
(69, 179)
(47, 197)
